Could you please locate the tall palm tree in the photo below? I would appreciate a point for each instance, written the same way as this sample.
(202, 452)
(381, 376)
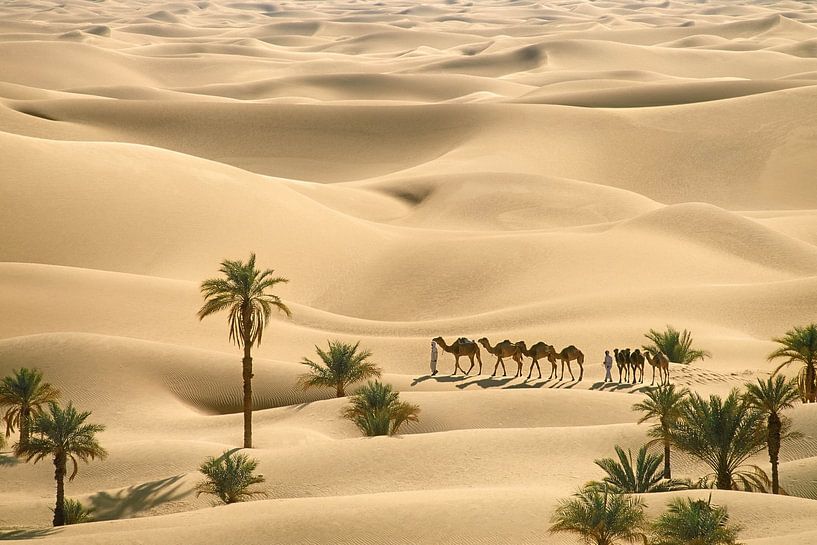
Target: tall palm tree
(677, 345)
(242, 291)
(722, 433)
(63, 434)
(341, 366)
(600, 517)
(771, 397)
(694, 522)
(623, 477)
(800, 345)
(231, 477)
(377, 410)
(25, 394)
(663, 405)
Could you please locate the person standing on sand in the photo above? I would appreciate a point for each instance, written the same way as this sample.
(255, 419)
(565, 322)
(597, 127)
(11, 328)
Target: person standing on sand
(608, 366)
(433, 358)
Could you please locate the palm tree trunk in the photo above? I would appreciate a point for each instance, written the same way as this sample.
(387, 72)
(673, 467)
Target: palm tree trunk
(724, 480)
(25, 426)
(59, 476)
(811, 384)
(774, 450)
(667, 470)
(247, 375)
(340, 391)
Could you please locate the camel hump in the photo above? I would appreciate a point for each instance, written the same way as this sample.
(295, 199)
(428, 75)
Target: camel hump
(465, 340)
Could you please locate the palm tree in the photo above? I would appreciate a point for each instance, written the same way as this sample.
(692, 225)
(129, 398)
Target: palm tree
(63, 434)
(25, 394)
(230, 477)
(662, 404)
(377, 410)
(601, 517)
(341, 366)
(242, 292)
(677, 345)
(771, 397)
(624, 478)
(722, 433)
(800, 345)
(694, 522)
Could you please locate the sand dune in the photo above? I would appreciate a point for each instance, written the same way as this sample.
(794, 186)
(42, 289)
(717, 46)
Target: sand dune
(569, 171)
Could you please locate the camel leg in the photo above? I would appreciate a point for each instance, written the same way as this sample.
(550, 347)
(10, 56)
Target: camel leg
(581, 369)
(498, 361)
(471, 358)
(456, 365)
(570, 369)
(479, 359)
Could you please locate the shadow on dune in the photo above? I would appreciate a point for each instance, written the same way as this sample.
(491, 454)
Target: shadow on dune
(611, 386)
(33, 533)
(439, 378)
(8, 461)
(137, 499)
(487, 382)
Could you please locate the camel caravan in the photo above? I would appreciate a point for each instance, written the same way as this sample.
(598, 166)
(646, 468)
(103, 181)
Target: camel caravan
(630, 363)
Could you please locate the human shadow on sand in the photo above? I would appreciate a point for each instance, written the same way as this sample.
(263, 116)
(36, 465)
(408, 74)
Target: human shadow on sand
(27, 533)
(137, 499)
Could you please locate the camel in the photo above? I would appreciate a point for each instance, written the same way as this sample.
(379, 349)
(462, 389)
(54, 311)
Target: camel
(537, 352)
(505, 349)
(637, 363)
(661, 361)
(567, 355)
(623, 363)
(461, 347)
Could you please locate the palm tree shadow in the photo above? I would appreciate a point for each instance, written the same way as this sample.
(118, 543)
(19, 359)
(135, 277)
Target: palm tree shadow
(8, 461)
(137, 499)
(29, 533)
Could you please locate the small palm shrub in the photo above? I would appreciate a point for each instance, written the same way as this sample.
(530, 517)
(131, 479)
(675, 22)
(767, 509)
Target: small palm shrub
(600, 517)
(75, 513)
(677, 345)
(645, 476)
(693, 522)
(230, 477)
(339, 367)
(377, 410)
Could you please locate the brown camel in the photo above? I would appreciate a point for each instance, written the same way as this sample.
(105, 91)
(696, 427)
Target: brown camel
(637, 364)
(461, 347)
(567, 355)
(660, 361)
(623, 363)
(505, 349)
(536, 352)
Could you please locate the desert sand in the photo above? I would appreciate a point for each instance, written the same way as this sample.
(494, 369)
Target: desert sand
(571, 171)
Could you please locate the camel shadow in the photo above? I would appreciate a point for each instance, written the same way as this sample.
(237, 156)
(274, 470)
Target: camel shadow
(30, 533)
(486, 382)
(565, 385)
(137, 499)
(538, 383)
(610, 386)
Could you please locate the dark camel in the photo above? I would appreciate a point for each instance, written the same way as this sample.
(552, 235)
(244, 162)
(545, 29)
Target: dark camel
(505, 349)
(536, 352)
(637, 364)
(461, 347)
(623, 364)
(660, 361)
